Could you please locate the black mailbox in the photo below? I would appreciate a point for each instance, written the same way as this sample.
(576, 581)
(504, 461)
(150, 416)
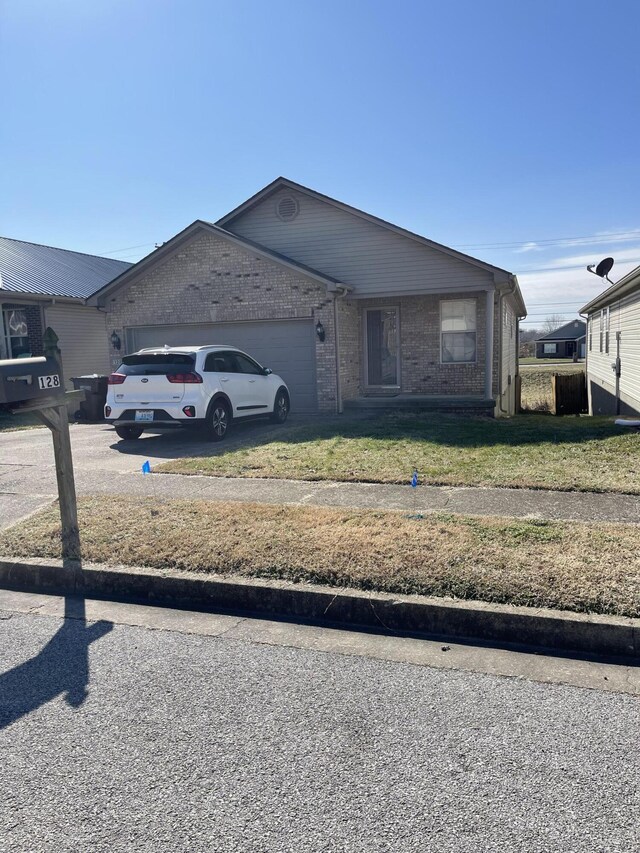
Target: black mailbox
(28, 380)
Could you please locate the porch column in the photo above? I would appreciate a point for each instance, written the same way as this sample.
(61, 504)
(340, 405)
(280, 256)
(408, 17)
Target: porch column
(488, 347)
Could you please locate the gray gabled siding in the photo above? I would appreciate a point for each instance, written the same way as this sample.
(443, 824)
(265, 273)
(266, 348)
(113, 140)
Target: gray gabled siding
(374, 260)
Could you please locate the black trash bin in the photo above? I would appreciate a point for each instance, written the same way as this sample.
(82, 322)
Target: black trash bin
(95, 396)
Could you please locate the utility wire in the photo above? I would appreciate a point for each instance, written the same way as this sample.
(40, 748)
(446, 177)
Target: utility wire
(590, 238)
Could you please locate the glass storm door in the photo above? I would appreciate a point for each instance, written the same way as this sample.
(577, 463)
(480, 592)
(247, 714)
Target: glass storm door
(382, 347)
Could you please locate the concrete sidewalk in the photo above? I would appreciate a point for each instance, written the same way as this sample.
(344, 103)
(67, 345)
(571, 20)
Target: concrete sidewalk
(521, 503)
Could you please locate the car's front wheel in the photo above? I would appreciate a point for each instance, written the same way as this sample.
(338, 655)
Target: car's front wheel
(128, 433)
(218, 421)
(280, 407)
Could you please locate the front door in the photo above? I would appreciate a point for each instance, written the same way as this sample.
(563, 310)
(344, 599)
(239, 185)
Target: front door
(382, 345)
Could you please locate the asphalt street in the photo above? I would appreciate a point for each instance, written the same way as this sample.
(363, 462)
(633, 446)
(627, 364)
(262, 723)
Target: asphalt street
(117, 737)
(105, 465)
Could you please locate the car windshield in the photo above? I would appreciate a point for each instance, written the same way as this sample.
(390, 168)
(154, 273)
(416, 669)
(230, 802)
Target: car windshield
(156, 364)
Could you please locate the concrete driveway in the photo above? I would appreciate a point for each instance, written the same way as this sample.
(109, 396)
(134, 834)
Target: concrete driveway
(102, 463)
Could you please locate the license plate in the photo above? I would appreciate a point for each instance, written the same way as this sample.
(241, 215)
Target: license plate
(144, 414)
(52, 381)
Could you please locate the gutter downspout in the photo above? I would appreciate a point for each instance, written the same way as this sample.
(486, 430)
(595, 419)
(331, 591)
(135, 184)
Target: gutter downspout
(336, 335)
(588, 331)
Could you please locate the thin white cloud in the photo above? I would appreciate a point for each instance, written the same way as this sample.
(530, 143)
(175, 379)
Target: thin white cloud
(620, 256)
(546, 292)
(604, 238)
(529, 247)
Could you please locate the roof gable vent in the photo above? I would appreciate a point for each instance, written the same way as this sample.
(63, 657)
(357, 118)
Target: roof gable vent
(287, 208)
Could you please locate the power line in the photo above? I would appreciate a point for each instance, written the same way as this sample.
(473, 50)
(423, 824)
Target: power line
(126, 249)
(630, 234)
(573, 267)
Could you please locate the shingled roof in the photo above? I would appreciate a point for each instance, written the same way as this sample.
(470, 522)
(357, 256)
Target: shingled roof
(571, 331)
(31, 268)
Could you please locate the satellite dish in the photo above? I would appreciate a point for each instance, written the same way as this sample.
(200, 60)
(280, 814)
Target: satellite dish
(603, 269)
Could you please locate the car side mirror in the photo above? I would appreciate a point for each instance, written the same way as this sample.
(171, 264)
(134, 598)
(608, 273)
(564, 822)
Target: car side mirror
(267, 371)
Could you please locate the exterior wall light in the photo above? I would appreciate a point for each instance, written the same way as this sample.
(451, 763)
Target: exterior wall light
(320, 331)
(115, 340)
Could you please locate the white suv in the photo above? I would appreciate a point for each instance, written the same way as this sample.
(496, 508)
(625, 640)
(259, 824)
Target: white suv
(191, 386)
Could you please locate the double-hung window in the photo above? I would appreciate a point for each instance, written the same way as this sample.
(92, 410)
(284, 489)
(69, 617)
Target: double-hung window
(458, 323)
(16, 333)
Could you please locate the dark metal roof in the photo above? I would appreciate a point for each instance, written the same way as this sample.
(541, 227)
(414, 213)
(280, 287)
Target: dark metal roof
(572, 331)
(46, 271)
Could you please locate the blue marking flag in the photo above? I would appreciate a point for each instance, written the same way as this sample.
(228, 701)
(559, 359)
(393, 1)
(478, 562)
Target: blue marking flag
(146, 467)
(414, 480)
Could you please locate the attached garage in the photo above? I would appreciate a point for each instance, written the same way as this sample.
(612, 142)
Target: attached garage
(286, 346)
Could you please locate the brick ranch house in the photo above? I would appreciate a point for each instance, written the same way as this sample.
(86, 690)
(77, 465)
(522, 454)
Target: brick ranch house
(350, 310)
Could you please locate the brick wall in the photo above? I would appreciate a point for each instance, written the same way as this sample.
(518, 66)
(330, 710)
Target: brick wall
(350, 327)
(420, 369)
(210, 280)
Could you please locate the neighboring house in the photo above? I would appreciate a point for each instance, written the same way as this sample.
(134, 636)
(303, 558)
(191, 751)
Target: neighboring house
(349, 309)
(42, 286)
(564, 342)
(613, 349)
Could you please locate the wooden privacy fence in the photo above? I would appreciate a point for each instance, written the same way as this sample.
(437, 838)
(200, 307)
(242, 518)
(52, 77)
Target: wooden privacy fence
(568, 393)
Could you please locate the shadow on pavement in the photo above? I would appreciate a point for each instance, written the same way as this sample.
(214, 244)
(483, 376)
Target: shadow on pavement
(184, 443)
(61, 667)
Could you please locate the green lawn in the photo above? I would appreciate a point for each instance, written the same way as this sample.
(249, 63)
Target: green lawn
(591, 568)
(536, 451)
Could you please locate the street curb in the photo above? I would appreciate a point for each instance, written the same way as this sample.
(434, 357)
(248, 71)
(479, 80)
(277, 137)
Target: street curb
(498, 624)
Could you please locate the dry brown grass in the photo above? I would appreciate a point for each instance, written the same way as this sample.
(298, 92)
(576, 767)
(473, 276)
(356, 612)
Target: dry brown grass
(590, 568)
(537, 395)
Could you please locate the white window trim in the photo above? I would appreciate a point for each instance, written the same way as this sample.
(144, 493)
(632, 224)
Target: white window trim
(459, 299)
(6, 350)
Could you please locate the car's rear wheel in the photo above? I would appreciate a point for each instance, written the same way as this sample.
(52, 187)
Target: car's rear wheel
(218, 421)
(128, 433)
(281, 407)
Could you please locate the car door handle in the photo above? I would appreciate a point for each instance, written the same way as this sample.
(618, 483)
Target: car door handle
(252, 380)
(223, 379)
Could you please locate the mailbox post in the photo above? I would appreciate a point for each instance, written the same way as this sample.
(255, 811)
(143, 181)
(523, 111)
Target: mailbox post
(36, 385)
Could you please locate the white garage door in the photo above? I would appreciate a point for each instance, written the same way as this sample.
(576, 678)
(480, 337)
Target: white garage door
(286, 346)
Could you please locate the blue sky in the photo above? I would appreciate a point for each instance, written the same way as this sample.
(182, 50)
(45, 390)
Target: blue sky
(505, 129)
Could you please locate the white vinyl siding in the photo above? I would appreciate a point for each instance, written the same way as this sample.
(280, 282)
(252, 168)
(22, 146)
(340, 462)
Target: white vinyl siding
(624, 317)
(82, 339)
(365, 255)
(458, 323)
